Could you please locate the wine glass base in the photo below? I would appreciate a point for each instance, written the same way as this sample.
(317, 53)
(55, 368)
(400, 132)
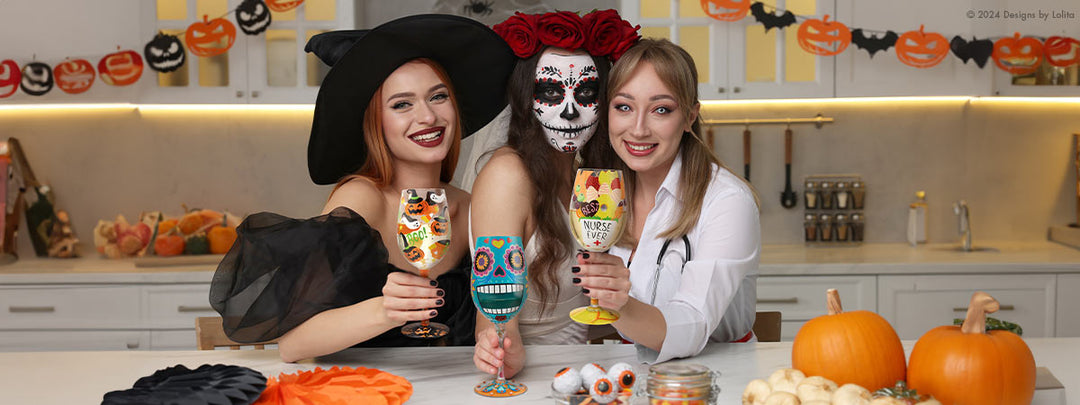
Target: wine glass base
(591, 315)
(417, 330)
(500, 389)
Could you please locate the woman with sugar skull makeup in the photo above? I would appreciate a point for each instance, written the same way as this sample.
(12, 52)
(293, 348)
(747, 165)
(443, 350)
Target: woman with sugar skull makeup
(556, 96)
(390, 115)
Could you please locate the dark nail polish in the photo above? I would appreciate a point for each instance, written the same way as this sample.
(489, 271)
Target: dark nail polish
(585, 255)
(438, 302)
(575, 269)
(433, 283)
(584, 290)
(576, 280)
(433, 313)
(440, 293)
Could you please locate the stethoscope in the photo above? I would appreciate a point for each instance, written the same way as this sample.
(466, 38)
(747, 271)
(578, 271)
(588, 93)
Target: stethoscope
(660, 263)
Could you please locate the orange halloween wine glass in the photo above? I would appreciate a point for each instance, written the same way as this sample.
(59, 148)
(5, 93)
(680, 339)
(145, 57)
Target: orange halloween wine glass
(596, 211)
(423, 236)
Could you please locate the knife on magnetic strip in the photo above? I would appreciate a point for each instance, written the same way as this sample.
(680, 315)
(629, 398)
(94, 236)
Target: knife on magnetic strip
(40, 214)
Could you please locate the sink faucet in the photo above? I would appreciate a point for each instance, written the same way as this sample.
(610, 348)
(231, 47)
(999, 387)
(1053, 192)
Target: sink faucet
(961, 210)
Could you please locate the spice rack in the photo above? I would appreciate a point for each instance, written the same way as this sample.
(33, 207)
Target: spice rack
(833, 210)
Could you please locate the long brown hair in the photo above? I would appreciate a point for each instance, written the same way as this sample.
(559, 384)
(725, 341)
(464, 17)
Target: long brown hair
(677, 71)
(526, 137)
(378, 165)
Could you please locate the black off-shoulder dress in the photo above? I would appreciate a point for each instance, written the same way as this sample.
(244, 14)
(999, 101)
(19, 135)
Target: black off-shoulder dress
(282, 271)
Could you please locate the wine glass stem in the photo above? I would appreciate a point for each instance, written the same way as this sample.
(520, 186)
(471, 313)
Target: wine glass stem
(499, 330)
(593, 302)
(424, 274)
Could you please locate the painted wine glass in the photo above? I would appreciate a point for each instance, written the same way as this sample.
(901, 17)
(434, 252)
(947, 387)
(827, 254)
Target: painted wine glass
(423, 236)
(499, 280)
(596, 211)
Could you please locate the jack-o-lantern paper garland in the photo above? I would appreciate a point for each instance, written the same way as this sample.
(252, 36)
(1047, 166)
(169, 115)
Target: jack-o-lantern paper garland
(921, 49)
(37, 79)
(1062, 51)
(823, 37)
(967, 364)
(1016, 55)
(74, 76)
(253, 17)
(208, 37)
(9, 77)
(282, 6)
(726, 10)
(165, 53)
(121, 68)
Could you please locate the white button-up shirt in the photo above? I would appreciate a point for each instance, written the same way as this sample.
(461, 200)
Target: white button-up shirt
(714, 294)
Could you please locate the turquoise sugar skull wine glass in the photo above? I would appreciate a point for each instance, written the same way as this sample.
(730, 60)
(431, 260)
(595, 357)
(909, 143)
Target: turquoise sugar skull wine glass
(498, 289)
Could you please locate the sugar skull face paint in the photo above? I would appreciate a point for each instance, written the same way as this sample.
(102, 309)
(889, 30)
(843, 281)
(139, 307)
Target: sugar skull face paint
(565, 99)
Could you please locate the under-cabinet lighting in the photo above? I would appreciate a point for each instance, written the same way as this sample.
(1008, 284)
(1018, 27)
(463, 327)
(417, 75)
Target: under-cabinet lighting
(53, 107)
(226, 107)
(856, 100)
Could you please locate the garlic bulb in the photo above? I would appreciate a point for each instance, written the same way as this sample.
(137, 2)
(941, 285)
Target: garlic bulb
(851, 394)
(782, 398)
(816, 388)
(887, 401)
(816, 402)
(756, 392)
(786, 380)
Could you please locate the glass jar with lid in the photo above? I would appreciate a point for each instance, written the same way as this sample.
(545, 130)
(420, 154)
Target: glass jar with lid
(681, 384)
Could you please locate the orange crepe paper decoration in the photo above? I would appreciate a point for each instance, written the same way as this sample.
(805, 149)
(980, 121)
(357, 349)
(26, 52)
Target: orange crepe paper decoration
(726, 10)
(921, 49)
(1062, 51)
(1016, 55)
(823, 37)
(338, 385)
(210, 37)
(281, 6)
(74, 76)
(120, 68)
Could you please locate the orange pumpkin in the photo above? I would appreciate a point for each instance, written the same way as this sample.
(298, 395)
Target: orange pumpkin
(210, 37)
(726, 10)
(1019, 56)
(165, 226)
(1062, 51)
(966, 364)
(920, 49)
(440, 226)
(74, 76)
(168, 245)
(824, 37)
(282, 6)
(221, 239)
(857, 347)
(438, 249)
(413, 254)
(120, 68)
(10, 75)
(190, 223)
(416, 206)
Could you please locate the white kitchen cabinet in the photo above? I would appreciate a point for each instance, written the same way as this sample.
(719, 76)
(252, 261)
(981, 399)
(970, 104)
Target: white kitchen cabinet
(739, 60)
(1068, 305)
(802, 298)
(73, 340)
(859, 74)
(916, 304)
(270, 67)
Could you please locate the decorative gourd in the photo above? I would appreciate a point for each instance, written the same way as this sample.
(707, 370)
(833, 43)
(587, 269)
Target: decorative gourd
(120, 68)
(221, 239)
(858, 347)
(168, 245)
(196, 244)
(9, 77)
(726, 10)
(1019, 56)
(921, 49)
(190, 223)
(823, 37)
(967, 364)
(1062, 51)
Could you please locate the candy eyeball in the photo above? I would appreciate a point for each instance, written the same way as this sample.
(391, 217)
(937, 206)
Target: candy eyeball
(567, 381)
(603, 391)
(622, 375)
(591, 372)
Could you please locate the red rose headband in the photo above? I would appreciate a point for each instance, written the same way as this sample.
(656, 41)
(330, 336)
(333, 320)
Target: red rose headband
(600, 33)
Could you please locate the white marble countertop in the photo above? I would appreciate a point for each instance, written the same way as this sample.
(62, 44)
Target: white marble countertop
(439, 374)
(776, 260)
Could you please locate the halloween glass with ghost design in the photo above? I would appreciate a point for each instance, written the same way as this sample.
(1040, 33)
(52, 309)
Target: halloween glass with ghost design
(499, 280)
(596, 212)
(424, 237)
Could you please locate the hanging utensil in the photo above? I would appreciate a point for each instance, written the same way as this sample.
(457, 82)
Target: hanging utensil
(788, 198)
(746, 152)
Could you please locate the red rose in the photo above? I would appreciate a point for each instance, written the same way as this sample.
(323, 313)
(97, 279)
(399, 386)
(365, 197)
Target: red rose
(603, 31)
(519, 31)
(563, 29)
(627, 38)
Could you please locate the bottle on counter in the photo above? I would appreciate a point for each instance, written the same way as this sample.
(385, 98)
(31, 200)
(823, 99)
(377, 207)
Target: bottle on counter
(917, 219)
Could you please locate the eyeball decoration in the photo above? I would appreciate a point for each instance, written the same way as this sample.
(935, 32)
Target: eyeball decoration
(567, 381)
(593, 384)
(622, 375)
(592, 372)
(603, 391)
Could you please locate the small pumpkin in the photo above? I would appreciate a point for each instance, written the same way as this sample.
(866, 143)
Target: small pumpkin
(413, 254)
(967, 364)
(165, 53)
(190, 223)
(37, 79)
(857, 347)
(1016, 55)
(196, 244)
(726, 10)
(166, 225)
(9, 77)
(416, 206)
(208, 37)
(823, 37)
(921, 49)
(168, 245)
(1062, 51)
(74, 76)
(440, 226)
(221, 239)
(120, 68)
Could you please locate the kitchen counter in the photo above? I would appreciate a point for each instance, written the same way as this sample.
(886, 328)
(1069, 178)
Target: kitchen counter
(440, 375)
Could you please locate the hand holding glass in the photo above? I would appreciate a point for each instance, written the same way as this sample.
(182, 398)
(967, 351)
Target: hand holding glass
(596, 211)
(499, 280)
(423, 236)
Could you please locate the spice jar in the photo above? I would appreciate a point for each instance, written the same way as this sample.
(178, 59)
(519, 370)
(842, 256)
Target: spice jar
(825, 196)
(842, 200)
(858, 195)
(810, 227)
(825, 224)
(841, 228)
(810, 195)
(857, 227)
(681, 384)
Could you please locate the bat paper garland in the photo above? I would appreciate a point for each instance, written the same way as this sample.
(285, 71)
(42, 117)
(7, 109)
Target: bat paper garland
(771, 20)
(978, 50)
(873, 44)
